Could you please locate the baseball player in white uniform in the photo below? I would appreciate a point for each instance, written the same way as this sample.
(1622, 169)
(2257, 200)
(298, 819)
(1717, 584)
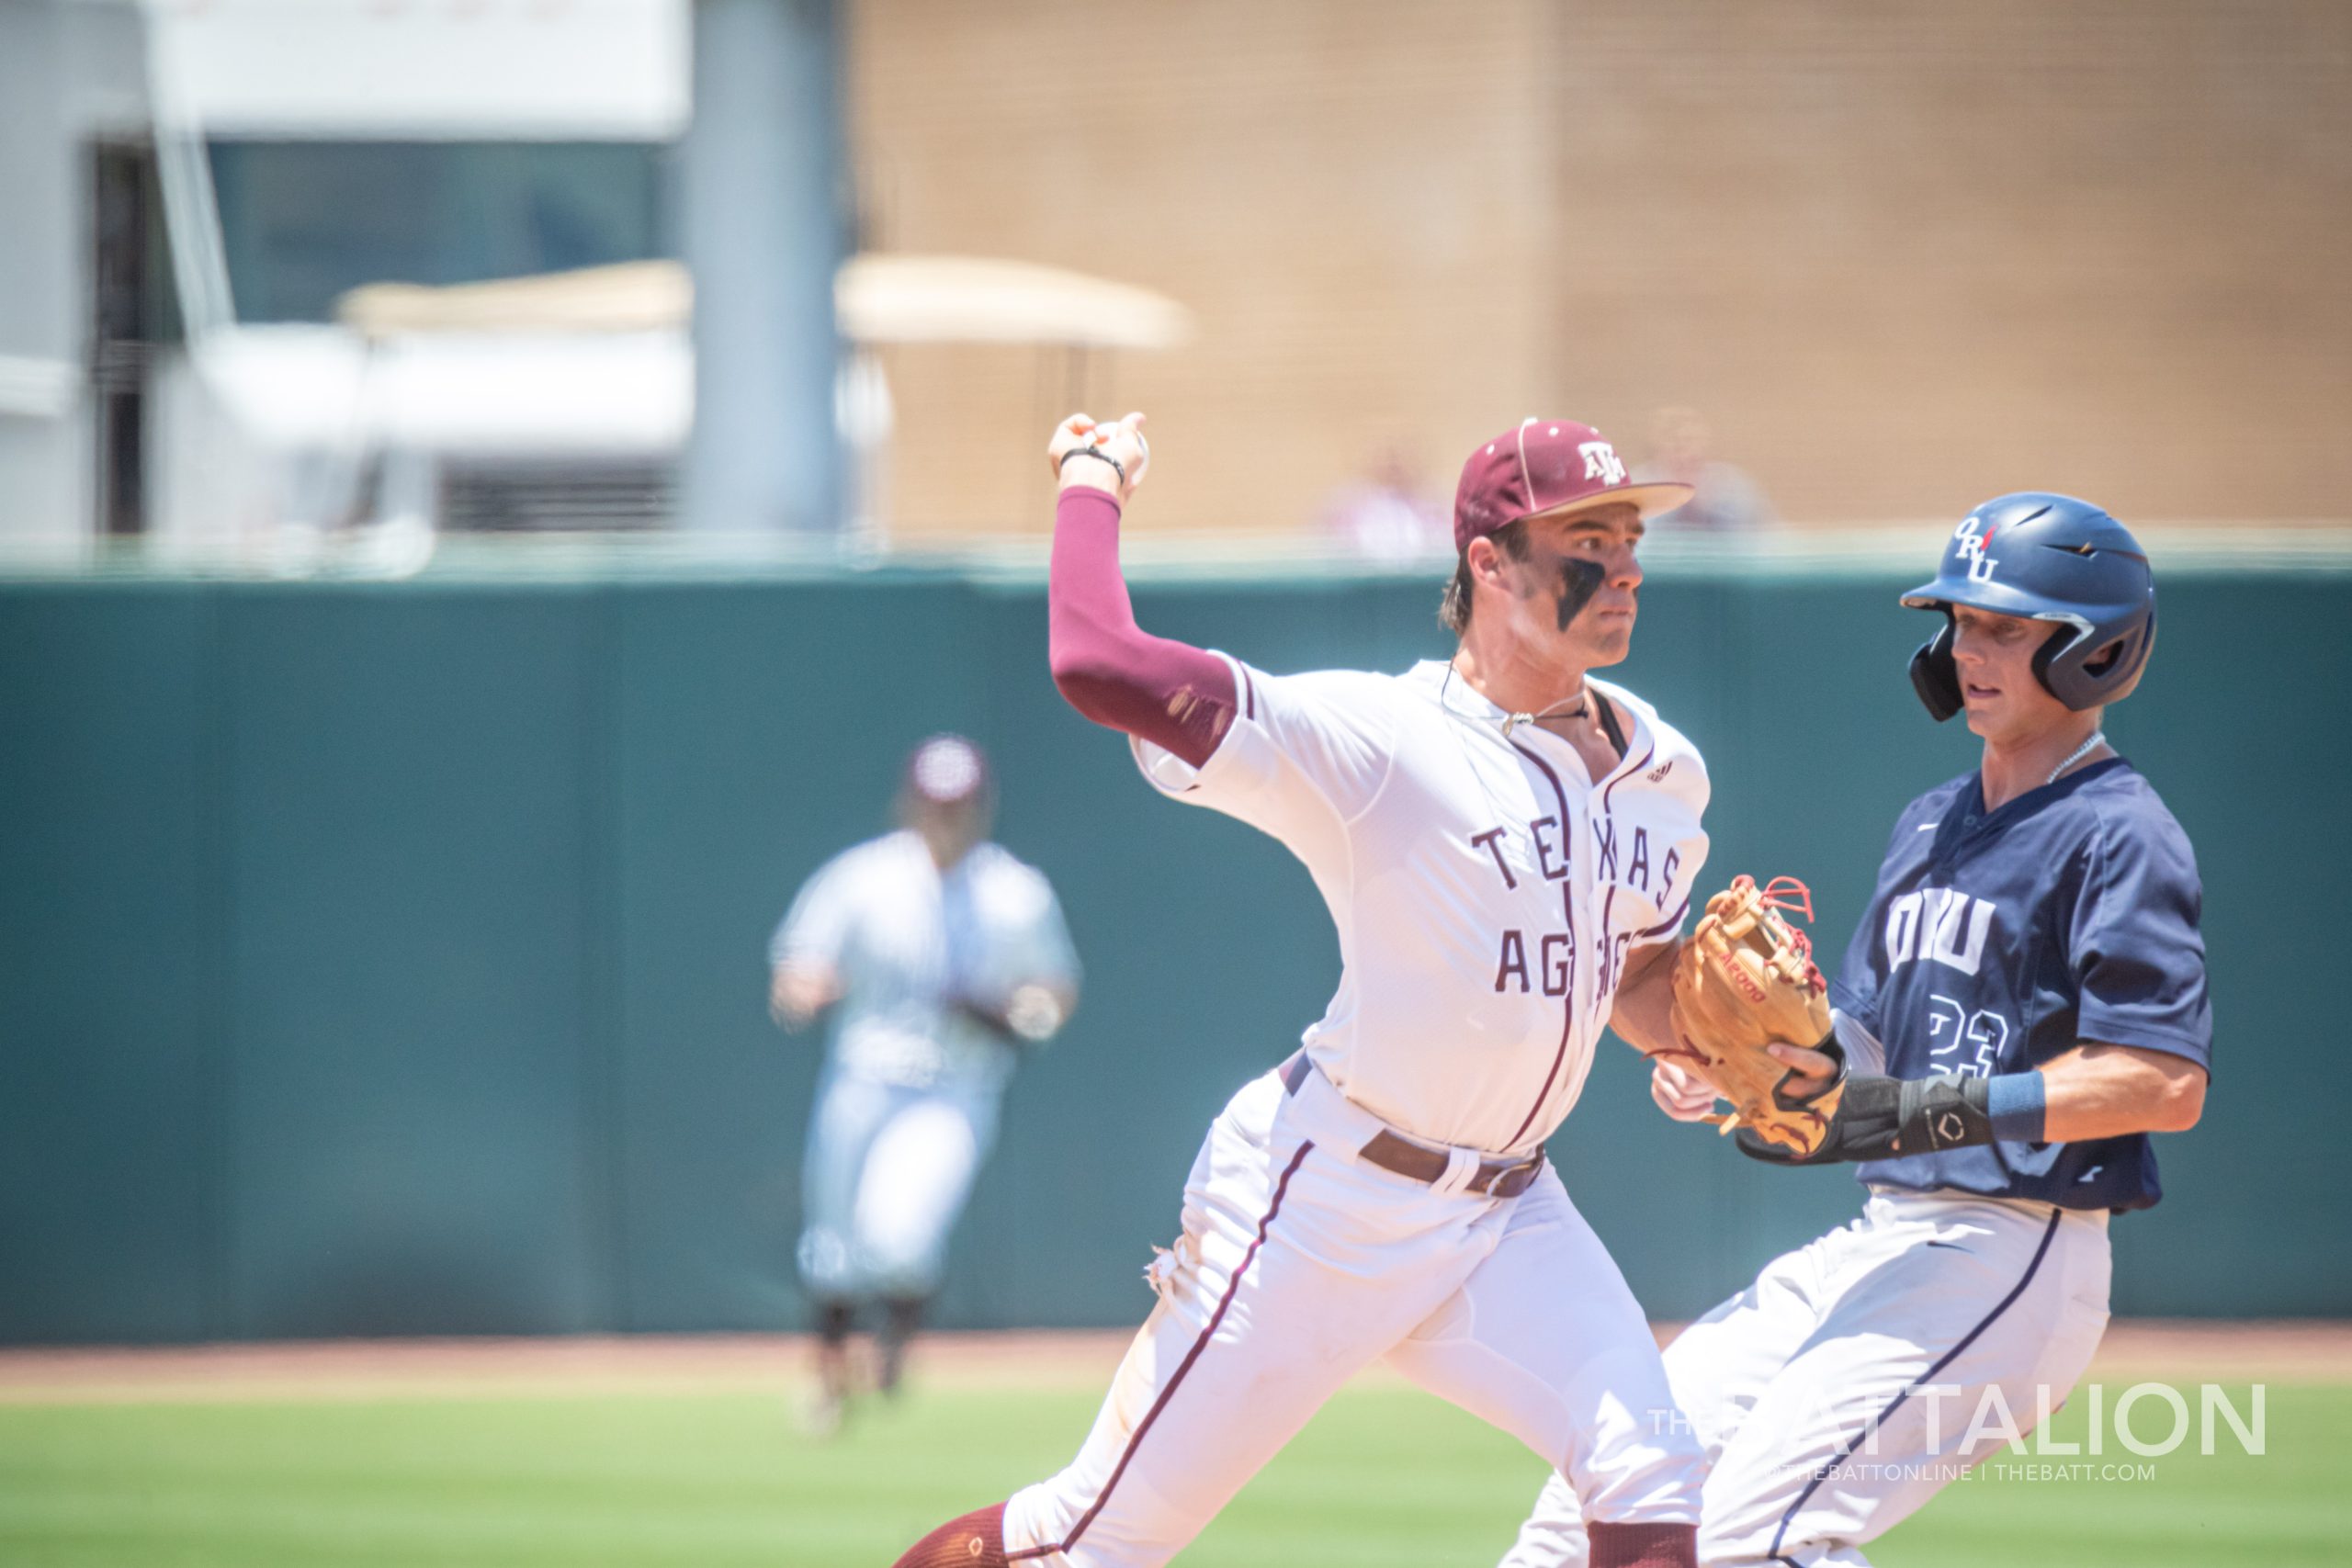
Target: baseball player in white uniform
(2027, 993)
(943, 958)
(1507, 847)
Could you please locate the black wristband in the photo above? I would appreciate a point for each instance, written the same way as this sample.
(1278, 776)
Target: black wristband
(1883, 1118)
(1944, 1112)
(1092, 452)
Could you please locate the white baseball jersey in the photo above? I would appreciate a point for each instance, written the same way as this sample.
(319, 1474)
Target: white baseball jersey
(908, 941)
(1487, 890)
(1485, 887)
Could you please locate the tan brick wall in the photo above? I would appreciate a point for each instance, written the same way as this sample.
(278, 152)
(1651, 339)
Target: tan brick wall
(1349, 196)
(1903, 255)
(1963, 248)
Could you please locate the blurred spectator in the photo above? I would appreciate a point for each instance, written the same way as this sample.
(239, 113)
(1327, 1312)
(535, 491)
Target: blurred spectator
(1726, 498)
(1388, 513)
(943, 961)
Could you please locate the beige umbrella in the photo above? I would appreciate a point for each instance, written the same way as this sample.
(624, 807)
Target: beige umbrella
(878, 298)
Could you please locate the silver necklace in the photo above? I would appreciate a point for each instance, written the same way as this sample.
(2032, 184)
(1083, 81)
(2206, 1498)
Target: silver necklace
(2085, 749)
(1512, 721)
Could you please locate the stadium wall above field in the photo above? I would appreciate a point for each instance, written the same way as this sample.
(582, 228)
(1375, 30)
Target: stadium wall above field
(388, 959)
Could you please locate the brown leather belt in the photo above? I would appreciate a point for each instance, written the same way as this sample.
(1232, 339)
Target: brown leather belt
(1495, 1178)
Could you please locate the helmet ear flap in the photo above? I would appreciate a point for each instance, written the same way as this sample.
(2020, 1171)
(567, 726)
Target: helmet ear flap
(2077, 684)
(2138, 659)
(1934, 675)
(2074, 681)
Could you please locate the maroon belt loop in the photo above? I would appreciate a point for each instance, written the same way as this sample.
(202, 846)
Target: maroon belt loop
(1402, 1156)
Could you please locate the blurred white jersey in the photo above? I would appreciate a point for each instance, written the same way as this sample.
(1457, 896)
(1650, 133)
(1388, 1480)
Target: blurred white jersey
(1487, 891)
(909, 941)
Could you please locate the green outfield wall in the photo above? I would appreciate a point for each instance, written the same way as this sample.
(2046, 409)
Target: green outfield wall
(390, 959)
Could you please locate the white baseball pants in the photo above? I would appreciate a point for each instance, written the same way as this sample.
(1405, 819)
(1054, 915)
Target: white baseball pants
(886, 1175)
(1299, 1265)
(1840, 1392)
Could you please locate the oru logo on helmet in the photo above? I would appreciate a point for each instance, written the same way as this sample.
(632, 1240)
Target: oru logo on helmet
(1973, 534)
(2063, 562)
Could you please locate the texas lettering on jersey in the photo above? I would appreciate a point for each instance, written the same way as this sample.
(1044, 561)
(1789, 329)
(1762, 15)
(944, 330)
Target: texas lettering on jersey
(1487, 889)
(1554, 952)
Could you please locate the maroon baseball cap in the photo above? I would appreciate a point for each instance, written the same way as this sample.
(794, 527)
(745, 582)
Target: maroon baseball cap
(1544, 468)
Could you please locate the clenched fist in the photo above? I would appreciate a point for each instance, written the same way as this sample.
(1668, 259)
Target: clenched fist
(1111, 455)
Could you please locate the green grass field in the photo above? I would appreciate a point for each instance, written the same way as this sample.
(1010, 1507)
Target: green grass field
(1385, 1476)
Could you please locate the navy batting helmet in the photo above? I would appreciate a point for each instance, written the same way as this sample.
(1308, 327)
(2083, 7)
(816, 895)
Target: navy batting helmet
(2046, 557)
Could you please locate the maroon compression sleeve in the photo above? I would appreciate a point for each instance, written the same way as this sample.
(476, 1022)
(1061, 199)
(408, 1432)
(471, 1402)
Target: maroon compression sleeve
(1111, 670)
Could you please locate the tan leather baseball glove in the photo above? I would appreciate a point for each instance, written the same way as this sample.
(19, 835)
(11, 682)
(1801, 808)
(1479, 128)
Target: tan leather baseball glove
(1745, 979)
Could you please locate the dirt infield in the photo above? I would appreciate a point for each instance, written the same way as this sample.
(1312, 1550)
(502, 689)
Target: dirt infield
(2206, 1351)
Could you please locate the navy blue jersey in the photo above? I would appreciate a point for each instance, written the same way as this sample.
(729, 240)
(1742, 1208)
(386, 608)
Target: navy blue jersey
(1999, 939)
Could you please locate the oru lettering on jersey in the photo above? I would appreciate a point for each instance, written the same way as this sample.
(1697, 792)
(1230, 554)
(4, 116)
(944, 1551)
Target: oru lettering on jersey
(1546, 960)
(1940, 925)
(1997, 941)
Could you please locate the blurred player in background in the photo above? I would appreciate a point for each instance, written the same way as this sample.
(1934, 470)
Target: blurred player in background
(2026, 995)
(944, 958)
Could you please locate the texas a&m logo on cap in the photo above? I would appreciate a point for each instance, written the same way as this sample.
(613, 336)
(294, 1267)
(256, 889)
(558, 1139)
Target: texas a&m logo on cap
(1549, 466)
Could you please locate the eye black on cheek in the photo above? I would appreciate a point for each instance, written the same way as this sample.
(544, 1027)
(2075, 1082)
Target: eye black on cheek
(1579, 581)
